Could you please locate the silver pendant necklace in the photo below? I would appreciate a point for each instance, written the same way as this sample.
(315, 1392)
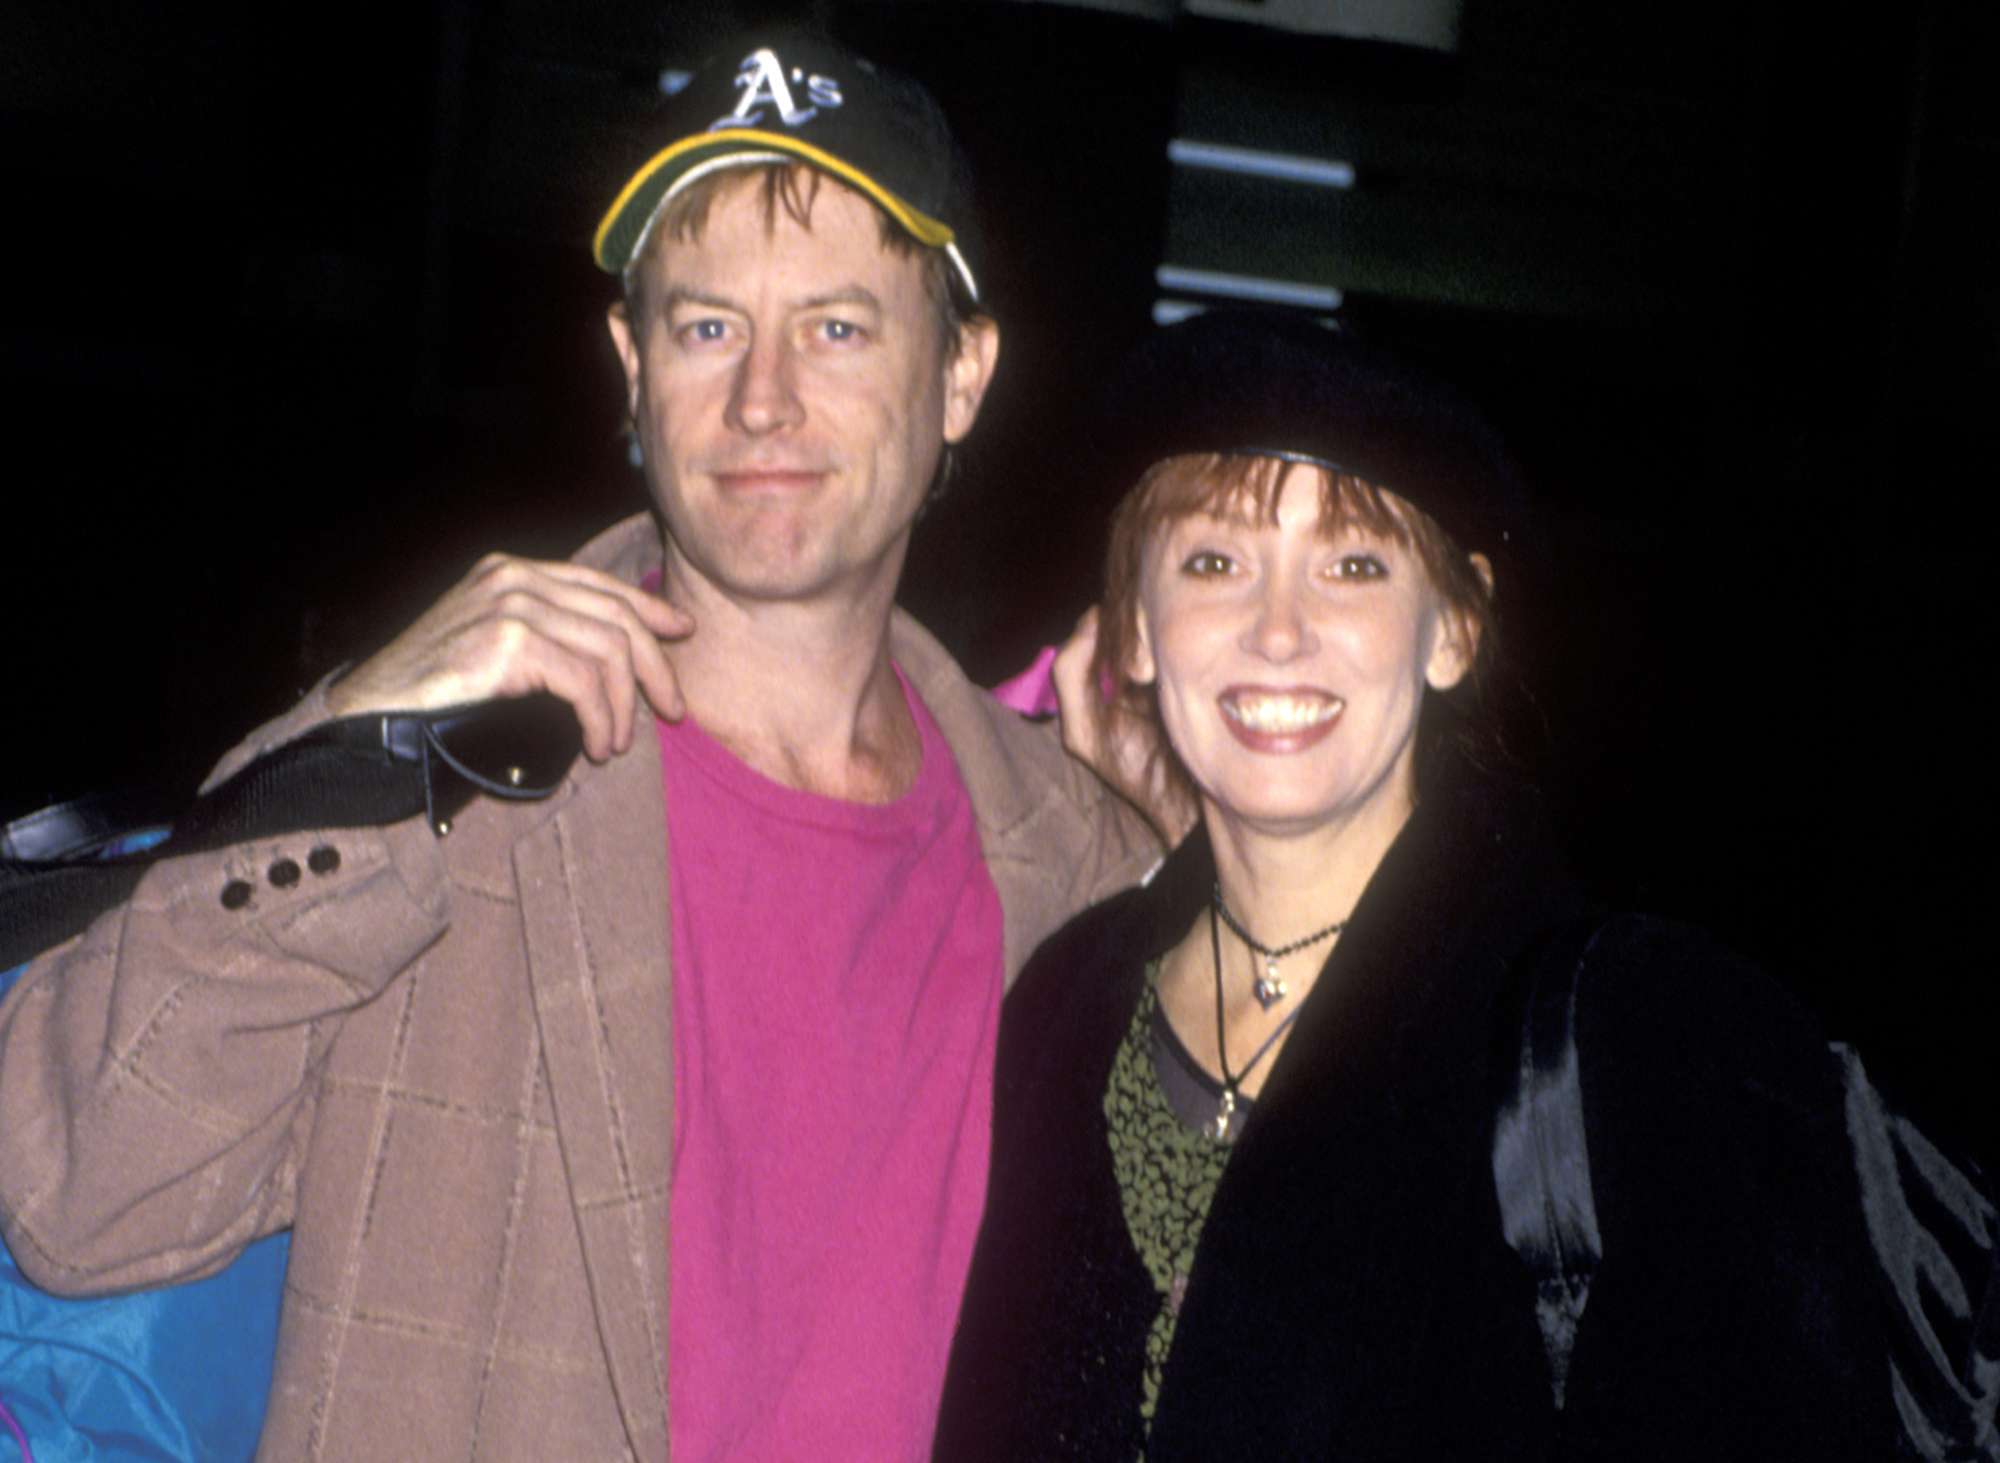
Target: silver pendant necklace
(1270, 987)
(1233, 1082)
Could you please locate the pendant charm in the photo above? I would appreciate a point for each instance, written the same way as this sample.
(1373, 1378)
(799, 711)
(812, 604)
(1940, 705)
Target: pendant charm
(1227, 1110)
(1270, 986)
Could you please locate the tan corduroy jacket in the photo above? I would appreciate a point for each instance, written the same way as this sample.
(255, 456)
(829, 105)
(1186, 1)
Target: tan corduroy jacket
(446, 1064)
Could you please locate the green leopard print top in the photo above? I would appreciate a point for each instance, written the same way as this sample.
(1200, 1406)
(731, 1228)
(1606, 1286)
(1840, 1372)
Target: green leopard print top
(1166, 1173)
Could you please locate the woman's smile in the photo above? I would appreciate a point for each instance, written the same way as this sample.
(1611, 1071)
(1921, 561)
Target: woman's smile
(1279, 719)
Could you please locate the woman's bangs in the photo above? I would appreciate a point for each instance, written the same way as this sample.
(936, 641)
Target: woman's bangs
(1249, 486)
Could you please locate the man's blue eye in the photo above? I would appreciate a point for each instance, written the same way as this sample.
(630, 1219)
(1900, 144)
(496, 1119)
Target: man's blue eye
(841, 330)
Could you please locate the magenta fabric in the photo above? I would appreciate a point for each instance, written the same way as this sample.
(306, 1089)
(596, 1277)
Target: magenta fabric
(837, 979)
(1033, 691)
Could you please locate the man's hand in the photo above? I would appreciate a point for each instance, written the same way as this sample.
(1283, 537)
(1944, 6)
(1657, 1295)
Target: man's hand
(1122, 750)
(513, 626)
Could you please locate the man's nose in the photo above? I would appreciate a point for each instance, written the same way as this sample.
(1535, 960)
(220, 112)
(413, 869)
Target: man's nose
(765, 398)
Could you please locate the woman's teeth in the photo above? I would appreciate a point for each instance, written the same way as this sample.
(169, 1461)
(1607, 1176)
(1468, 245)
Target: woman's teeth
(1278, 714)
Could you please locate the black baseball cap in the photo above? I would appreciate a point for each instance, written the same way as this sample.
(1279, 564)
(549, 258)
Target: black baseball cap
(796, 95)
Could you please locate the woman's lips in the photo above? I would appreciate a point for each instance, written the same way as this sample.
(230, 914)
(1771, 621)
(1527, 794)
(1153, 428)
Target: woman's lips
(1289, 719)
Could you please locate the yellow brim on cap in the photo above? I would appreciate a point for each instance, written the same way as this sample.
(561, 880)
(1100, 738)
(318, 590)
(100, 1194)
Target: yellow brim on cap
(636, 194)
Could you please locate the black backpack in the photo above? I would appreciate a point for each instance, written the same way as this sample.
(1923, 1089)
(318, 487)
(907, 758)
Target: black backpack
(1931, 1220)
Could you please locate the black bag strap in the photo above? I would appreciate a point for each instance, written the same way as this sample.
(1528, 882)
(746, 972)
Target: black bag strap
(1541, 1163)
(360, 771)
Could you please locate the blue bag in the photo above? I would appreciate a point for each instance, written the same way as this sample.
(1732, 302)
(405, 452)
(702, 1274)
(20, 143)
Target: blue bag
(163, 1376)
(184, 1372)
(154, 1376)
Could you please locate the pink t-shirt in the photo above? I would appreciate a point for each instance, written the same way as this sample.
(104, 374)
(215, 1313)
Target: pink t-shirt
(837, 977)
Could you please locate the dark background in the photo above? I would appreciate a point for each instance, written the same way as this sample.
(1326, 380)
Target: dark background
(300, 318)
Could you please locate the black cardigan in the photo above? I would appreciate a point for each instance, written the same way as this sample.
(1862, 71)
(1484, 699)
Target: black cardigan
(1353, 1296)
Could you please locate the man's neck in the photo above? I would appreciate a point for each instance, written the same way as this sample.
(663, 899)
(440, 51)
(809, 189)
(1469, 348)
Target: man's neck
(802, 692)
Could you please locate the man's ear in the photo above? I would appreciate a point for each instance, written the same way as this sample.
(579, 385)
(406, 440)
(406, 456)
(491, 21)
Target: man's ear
(626, 342)
(969, 373)
(1457, 647)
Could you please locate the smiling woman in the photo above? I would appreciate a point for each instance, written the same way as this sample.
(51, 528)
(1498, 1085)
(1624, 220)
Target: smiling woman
(1304, 568)
(1289, 665)
(1246, 1199)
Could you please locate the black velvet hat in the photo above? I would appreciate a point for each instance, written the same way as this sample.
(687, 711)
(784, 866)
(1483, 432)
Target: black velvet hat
(1236, 381)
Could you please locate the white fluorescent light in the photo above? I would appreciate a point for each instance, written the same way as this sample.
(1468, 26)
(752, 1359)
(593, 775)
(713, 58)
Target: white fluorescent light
(1287, 167)
(1247, 287)
(1172, 312)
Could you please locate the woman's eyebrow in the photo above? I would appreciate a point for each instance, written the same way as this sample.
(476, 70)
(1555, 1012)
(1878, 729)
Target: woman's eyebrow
(1234, 516)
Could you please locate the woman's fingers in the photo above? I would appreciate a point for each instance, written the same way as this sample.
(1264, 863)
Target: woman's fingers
(1082, 726)
(1120, 748)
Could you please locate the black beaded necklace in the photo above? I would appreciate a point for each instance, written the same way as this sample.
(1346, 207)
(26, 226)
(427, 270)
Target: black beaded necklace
(1232, 1083)
(1269, 987)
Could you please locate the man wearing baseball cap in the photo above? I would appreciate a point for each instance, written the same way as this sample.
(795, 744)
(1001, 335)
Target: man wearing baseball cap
(653, 1115)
